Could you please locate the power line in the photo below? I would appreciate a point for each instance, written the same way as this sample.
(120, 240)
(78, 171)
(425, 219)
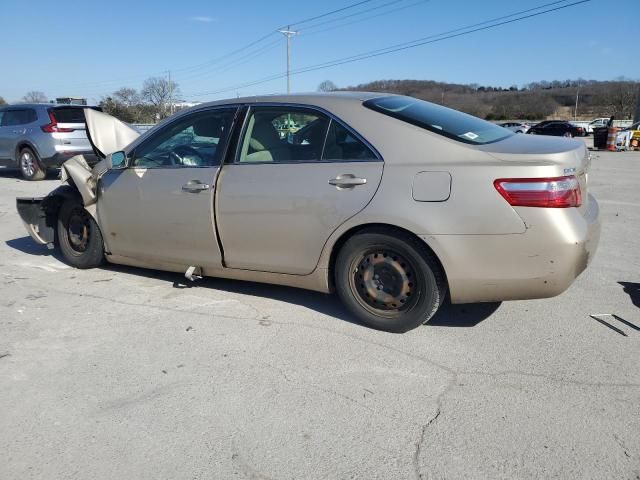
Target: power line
(377, 7)
(268, 35)
(233, 63)
(447, 35)
(232, 53)
(310, 30)
(307, 20)
(486, 25)
(237, 62)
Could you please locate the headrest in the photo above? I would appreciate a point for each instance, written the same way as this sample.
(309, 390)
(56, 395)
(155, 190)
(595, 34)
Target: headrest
(264, 135)
(209, 127)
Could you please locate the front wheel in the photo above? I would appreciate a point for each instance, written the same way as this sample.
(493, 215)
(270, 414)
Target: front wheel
(389, 281)
(79, 237)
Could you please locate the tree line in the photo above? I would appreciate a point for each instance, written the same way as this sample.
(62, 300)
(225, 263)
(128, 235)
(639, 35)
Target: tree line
(152, 103)
(535, 101)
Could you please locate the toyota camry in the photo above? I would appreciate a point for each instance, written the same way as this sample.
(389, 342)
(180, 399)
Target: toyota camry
(394, 203)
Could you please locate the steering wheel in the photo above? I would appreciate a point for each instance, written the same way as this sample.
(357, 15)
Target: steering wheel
(176, 156)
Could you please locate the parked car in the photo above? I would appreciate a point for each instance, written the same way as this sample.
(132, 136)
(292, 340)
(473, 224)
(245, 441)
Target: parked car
(393, 202)
(35, 137)
(515, 127)
(556, 128)
(596, 123)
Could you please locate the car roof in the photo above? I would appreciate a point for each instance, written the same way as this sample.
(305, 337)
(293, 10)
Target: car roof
(47, 105)
(315, 98)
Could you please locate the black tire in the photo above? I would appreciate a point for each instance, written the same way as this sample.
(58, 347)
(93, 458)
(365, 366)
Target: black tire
(30, 165)
(389, 280)
(79, 237)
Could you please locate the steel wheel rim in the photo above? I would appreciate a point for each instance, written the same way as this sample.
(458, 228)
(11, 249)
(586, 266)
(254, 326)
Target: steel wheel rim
(27, 163)
(384, 282)
(78, 230)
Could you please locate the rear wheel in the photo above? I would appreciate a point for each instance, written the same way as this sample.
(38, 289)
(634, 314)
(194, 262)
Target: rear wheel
(389, 281)
(30, 165)
(79, 237)
(568, 134)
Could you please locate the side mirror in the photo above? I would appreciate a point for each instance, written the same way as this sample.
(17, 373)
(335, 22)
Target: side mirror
(116, 161)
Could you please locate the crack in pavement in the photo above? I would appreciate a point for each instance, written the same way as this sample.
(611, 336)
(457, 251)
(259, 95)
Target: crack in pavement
(416, 455)
(425, 427)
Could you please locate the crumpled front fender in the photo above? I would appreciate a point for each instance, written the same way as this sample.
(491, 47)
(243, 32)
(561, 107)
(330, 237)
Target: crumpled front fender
(77, 172)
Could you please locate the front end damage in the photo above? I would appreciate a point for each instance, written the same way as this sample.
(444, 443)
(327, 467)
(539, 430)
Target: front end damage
(34, 218)
(106, 134)
(40, 214)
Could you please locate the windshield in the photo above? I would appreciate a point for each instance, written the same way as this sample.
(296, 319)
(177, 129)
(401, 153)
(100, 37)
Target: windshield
(441, 120)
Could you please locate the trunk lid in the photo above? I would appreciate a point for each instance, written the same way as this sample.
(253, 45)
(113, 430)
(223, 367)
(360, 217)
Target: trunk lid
(568, 156)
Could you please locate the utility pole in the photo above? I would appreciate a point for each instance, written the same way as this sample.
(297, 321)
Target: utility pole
(288, 33)
(636, 116)
(170, 94)
(575, 112)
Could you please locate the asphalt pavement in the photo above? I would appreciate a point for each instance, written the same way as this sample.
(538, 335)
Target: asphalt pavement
(135, 374)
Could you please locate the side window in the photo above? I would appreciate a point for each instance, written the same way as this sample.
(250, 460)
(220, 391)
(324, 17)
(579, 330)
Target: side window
(18, 117)
(341, 144)
(191, 141)
(32, 116)
(1, 115)
(282, 135)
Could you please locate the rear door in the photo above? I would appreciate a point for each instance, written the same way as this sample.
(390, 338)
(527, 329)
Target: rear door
(556, 129)
(289, 188)
(160, 208)
(15, 122)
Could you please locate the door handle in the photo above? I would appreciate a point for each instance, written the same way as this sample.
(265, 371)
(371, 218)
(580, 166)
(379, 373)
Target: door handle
(194, 186)
(347, 181)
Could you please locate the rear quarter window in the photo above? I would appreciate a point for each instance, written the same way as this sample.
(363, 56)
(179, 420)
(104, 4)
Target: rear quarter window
(438, 119)
(70, 114)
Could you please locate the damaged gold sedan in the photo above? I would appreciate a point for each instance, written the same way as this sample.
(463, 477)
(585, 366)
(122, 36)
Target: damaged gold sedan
(393, 202)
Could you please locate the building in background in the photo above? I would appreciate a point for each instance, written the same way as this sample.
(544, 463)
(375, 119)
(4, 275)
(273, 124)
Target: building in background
(71, 100)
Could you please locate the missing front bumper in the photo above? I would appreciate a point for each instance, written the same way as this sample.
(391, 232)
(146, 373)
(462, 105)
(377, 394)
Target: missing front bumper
(34, 218)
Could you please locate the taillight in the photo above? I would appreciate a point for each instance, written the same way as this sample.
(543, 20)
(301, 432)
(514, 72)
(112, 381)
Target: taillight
(53, 127)
(556, 192)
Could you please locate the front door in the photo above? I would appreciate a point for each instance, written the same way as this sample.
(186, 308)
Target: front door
(160, 208)
(297, 176)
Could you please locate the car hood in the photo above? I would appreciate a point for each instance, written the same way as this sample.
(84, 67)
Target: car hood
(107, 134)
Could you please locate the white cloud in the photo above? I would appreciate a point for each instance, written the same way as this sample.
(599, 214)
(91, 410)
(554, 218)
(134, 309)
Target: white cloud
(203, 19)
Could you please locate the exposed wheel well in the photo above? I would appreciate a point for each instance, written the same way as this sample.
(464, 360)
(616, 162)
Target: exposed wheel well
(377, 228)
(23, 145)
(51, 203)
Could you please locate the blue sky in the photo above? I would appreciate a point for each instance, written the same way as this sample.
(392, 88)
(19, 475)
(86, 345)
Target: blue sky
(80, 48)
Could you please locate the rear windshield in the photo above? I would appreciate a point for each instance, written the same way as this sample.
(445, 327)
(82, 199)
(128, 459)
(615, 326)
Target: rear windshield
(70, 114)
(441, 120)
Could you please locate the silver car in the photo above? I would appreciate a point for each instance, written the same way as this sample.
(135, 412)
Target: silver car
(35, 137)
(516, 127)
(392, 202)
